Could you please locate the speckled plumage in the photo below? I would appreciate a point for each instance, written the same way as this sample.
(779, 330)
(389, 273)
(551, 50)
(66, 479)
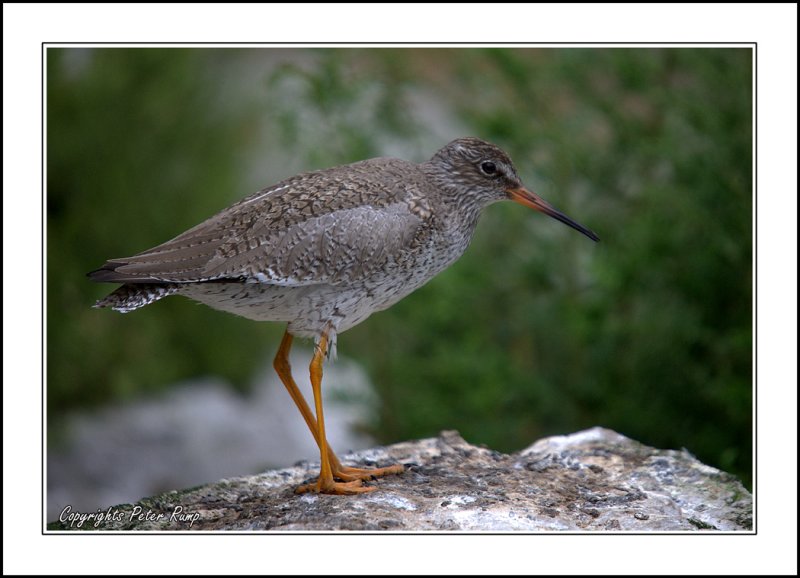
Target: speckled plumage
(324, 248)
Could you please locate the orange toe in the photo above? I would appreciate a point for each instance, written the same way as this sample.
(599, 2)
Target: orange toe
(331, 487)
(348, 474)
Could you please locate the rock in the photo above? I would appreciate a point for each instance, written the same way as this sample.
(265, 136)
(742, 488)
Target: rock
(594, 480)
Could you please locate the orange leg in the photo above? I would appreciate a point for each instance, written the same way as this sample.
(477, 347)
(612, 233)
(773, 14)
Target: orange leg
(284, 371)
(331, 466)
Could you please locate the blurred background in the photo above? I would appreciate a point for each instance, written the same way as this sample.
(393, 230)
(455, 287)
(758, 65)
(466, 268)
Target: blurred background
(535, 331)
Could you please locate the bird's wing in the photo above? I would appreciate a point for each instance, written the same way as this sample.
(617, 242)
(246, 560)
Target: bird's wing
(337, 247)
(281, 238)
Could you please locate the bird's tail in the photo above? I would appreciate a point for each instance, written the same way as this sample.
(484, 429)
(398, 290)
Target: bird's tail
(132, 296)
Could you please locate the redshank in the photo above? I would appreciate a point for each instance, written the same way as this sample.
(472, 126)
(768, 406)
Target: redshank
(323, 250)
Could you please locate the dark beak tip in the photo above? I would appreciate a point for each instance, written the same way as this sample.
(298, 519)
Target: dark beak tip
(525, 197)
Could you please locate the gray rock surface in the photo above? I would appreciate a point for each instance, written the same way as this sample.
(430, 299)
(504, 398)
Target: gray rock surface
(593, 480)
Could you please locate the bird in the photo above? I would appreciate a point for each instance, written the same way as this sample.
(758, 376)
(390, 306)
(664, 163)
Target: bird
(321, 251)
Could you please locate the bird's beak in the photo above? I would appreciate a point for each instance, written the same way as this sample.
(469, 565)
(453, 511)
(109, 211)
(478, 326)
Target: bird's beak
(525, 197)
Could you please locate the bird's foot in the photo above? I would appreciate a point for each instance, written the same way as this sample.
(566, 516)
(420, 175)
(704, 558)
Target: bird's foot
(352, 480)
(349, 474)
(331, 487)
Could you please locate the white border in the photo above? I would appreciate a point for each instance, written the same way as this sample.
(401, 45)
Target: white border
(773, 550)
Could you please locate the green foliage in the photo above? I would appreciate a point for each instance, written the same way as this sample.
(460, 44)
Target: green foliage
(536, 330)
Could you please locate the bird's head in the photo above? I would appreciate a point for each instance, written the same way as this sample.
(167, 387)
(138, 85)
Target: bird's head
(480, 173)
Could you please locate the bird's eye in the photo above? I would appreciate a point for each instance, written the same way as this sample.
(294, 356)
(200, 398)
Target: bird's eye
(488, 168)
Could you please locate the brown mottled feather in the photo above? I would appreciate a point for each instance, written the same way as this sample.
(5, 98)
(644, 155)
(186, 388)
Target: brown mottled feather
(323, 250)
(302, 230)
